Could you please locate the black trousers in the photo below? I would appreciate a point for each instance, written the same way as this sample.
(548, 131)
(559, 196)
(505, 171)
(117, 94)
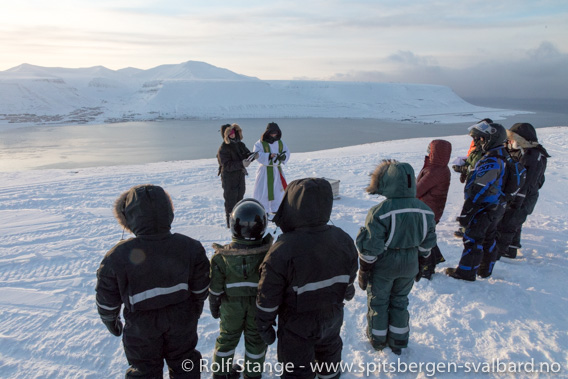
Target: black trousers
(306, 338)
(169, 334)
(233, 190)
(480, 250)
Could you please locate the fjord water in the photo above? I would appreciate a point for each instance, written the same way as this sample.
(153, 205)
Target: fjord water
(77, 146)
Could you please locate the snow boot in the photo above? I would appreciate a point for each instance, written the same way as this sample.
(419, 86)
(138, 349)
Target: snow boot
(234, 374)
(511, 253)
(396, 350)
(454, 273)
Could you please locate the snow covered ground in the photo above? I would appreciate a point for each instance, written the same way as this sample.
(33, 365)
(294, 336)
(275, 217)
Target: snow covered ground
(56, 225)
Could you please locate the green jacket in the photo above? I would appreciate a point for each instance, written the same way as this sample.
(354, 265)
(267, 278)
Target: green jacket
(235, 268)
(400, 227)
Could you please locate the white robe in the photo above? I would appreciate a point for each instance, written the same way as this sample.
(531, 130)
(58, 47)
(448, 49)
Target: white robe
(260, 184)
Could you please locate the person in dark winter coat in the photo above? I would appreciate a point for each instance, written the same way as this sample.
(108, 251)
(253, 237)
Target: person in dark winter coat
(524, 147)
(161, 279)
(305, 278)
(233, 157)
(232, 295)
(484, 204)
(432, 186)
(398, 234)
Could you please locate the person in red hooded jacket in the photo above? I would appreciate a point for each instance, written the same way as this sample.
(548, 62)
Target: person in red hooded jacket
(432, 186)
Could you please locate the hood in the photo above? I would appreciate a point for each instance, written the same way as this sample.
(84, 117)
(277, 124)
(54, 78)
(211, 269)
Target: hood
(226, 130)
(306, 202)
(393, 179)
(440, 152)
(524, 130)
(144, 210)
(271, 128)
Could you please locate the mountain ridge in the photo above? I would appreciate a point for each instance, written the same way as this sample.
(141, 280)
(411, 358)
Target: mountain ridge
(32, 94)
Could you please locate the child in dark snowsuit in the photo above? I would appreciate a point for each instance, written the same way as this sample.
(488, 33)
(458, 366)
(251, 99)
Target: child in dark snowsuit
(432, 186)
(397, 232)
(161, 279)
(232, 295)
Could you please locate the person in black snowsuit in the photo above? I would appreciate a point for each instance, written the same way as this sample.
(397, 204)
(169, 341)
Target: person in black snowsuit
(523, 147)
(305, 277)
(484, 204)
(233, 157)
(161, 279)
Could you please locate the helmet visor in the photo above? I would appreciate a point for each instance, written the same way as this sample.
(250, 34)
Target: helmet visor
(483, 127)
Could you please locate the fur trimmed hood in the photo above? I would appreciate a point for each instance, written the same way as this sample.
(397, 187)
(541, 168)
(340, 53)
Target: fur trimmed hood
(226, 130)
(524, 134)
(144, 210)
(393, 179)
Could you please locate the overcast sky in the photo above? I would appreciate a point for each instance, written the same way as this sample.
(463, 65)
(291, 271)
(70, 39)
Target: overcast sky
(510, 48)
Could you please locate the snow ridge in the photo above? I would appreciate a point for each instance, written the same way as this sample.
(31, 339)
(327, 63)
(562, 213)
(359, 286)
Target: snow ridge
(39, 95)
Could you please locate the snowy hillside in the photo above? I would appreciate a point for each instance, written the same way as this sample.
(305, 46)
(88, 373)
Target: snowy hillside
(40, 95)
(56, 225)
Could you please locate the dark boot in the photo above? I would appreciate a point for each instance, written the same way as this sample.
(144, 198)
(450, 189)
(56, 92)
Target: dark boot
(396, 350)
(459, 233)
(454, 273)
(510, 253)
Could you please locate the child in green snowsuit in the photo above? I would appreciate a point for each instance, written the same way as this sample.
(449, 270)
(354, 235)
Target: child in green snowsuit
(232, 294)
(397, 232)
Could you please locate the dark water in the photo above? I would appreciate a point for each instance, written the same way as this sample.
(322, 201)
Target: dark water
(76, 146)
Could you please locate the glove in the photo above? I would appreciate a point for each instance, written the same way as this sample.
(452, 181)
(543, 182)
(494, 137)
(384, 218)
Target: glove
(463, 177)
(423, 269)
(364, 279)
(198, 307)
(246, 163)
(114, 326)
(350, 292)
(468, 212)
(281, 157)
(457, 168)
(215, 305)
(252, 156)
(268, 334)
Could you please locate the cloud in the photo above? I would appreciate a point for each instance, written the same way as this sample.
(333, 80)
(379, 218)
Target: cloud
(536, 73)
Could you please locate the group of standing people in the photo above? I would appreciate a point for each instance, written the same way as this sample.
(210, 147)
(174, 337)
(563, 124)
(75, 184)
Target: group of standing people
(234, 158)
(301, 281)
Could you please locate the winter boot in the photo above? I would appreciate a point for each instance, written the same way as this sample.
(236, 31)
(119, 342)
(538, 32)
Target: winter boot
(454, 273)
(378, 345)
(459, 233)
(511, 253)
(234, 374)
(396, 350)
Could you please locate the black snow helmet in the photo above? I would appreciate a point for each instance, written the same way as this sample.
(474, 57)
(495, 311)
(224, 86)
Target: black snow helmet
(493, 134)
(248, 221)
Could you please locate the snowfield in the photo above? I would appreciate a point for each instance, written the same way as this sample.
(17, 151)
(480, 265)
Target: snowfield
(56, 225)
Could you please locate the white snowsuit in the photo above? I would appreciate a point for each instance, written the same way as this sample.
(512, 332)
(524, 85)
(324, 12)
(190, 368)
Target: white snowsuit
(261, 183)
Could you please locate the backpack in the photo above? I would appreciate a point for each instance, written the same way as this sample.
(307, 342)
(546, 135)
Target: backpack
(515, 177)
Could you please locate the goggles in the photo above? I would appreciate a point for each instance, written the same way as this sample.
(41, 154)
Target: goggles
(483, 127)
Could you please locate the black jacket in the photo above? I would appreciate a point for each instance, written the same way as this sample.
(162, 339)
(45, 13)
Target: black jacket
(232, 152)
(156, 269)
(311, 264)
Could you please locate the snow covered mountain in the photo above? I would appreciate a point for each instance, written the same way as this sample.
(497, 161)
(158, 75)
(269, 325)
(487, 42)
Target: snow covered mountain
(40, 95)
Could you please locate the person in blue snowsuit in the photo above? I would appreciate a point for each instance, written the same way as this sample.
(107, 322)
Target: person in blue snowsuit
(484, 204)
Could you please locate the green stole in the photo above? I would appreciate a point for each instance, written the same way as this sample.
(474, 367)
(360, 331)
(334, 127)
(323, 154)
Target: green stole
(270, 169)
